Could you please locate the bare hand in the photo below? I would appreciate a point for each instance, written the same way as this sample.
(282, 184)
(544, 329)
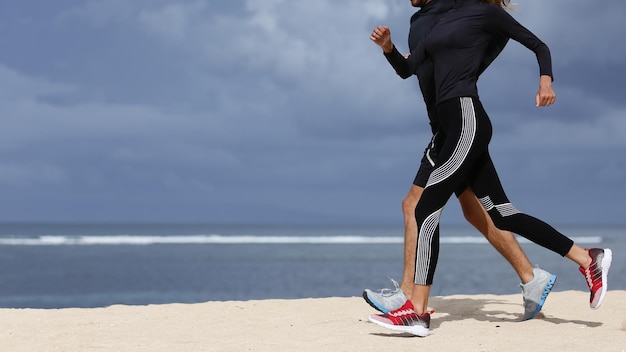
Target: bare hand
(381, 35)
(546, 95)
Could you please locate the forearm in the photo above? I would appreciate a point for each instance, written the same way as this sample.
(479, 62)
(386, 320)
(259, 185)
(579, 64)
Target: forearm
(398, 62)
(544, 59)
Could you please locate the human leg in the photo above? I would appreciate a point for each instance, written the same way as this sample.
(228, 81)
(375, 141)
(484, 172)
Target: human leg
(593, 263)
(467, 137)
(410, 237)
(386, 300)
(463, 140)
(489, 191)
(503, 241)
(536, 283)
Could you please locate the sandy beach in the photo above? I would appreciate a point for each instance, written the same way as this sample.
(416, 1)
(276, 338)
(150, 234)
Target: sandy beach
(460, 323)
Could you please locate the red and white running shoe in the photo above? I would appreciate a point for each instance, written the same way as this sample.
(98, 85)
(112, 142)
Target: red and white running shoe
(404, 319)
(596, 275)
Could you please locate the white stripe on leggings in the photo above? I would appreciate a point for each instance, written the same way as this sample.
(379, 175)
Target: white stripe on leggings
(468, 133)
(424, 247)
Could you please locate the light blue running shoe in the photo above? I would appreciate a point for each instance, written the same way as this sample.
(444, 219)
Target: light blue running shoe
(386, 299)
(536, 291)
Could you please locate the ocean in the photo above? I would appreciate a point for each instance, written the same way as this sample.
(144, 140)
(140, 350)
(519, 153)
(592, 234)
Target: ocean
(97, 265)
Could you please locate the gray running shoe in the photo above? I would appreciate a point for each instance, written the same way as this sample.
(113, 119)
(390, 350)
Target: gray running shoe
(536, 291)
(386, 299)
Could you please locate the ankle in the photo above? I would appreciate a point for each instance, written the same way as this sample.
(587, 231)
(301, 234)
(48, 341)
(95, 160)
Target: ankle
(580, 256)
(527, 276)
(586, 260)
(407, 290)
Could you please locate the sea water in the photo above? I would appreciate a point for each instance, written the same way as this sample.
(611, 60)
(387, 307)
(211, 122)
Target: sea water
(95, 265)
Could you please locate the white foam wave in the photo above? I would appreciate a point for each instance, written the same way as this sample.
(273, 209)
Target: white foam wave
(219, 239)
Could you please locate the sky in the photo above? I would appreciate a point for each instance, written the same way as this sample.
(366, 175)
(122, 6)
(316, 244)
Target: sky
(283, 111)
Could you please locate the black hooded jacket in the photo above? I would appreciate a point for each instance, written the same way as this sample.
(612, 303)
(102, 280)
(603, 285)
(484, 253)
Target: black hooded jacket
(421, 23)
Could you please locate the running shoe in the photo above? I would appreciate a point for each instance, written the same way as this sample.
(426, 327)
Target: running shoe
(596, 274)
(536, 291)
(404, 319)
(386, 299)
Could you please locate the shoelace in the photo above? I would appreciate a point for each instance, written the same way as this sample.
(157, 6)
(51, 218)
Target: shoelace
(588, 277)
(403, 312)
(388, 291)
(409, 312)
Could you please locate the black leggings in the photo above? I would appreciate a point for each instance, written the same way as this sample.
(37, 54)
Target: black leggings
(464, 157)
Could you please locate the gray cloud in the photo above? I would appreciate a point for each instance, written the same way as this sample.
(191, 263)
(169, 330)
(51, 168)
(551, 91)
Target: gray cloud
(283, 111)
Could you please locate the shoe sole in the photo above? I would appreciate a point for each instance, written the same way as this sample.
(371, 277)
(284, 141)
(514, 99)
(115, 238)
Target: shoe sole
(374, 304)
(416, 330)
(606, 265)
(544, 296)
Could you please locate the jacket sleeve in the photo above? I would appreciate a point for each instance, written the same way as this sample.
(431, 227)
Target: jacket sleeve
(399, 63)
(503, 23)
(404, 67)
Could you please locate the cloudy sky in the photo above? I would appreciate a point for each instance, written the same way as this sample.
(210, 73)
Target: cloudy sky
(283, 111)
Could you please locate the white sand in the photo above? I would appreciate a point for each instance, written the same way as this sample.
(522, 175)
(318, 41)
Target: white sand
(461, 323)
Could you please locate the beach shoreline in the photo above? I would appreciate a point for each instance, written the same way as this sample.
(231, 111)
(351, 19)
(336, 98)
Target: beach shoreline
(460, 323)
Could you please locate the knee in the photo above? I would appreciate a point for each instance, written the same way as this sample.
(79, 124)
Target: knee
(408, 205)
(500, 222)
(475, 216)
(478, 217)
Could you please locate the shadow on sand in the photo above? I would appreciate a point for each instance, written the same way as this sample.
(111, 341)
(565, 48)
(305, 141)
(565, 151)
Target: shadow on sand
(456, 309)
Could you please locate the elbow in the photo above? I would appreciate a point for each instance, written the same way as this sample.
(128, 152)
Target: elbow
(404, 75)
